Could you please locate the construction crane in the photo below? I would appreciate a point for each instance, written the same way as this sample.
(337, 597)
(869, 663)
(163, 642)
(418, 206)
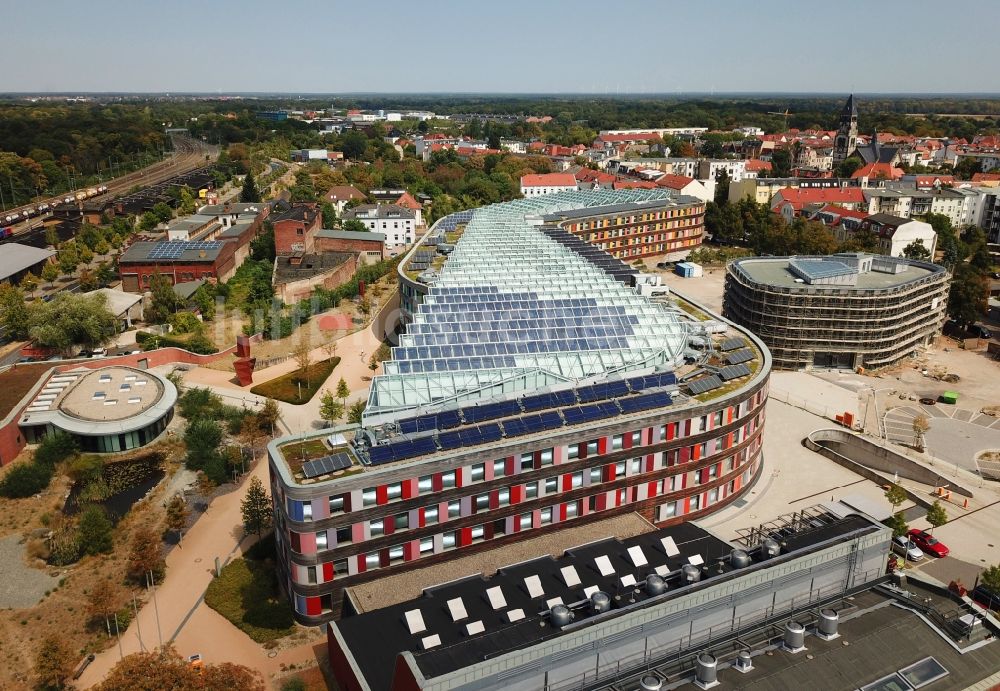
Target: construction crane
(784, 115)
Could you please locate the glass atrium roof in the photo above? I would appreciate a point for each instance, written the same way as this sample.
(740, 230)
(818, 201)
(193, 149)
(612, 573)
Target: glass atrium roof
(513, 311)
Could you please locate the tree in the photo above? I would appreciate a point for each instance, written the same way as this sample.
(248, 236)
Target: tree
(354, 145)
(165, 669)
(329, 215)
(269, 416)
(177, 514)
(302, 354)
(898, 524)
(355, 412)
(990, 577)
(846, 168)
(330, 409)
(72, 319)
(354, 225)
(967, 299)
(145, 555)
(921, 423)
(916, 250)
(102, 600)
(250, 432)
(50, 272)
(374, 362)
(14, 316)
(256, 508)
(164, 303)
(52, 237)
(29, 283)
(202, 439)
(895, 495)
(781, 163)
(343, 390)
(249, 194)
(936, 515)
(722, 188)
(53, 662)
(95, 531)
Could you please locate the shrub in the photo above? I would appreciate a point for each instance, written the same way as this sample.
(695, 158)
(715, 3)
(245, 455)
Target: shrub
(54, 448)
(294, 684)
(246, 594)
(95, 530)
(25, 480)
(64, 547)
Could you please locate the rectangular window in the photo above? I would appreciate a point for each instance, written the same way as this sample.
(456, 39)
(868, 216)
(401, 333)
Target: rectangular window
(448, 480)
(425, 485)
(478, 533)
(713, 496)
(311, 574)
(546, 457)
(340, 567)
(702, 423)
(503, 497)
(372, 561)
(426, 545)
(454, 509)
(478, 472)
(551, 485)
(394, 491)
(531, 490)
(337, 504)
(368, 496)
(717, 444)
(595, 474)
(527, 462)
(577, 480)
(573, 509)
(524, 521)
(591, 448)
(401, 521)
(395, 554)
(499, 468)
(636, 438)
(307, 511)
(573, 451)
(344, 535)
(635, 466)
(620, 469)
(616, 442)
(449, 540)
(377, 528)
(546, 515)
(321, 542)
(696, 502)
(431, 515)
(482, 502)
(718, 419)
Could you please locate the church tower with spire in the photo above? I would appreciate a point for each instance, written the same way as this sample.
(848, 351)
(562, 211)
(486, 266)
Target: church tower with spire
(847, 132)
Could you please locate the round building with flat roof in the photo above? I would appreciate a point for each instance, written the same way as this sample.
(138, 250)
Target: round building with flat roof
(840, 311)
(105, 410)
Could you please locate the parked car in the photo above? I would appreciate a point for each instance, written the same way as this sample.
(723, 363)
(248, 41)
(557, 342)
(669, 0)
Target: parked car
(928, 543)
(985, 598)
(903, 546)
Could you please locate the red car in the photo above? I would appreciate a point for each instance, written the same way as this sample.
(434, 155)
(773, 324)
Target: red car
(928, 543)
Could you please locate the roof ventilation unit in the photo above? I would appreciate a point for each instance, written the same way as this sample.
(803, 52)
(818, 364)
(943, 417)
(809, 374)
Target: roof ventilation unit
(706, 671)
(739, 559)
(650, 683)
(690, 573)
(655, 585)
(560, 616)
(794, 640)
(770, 548)
(600, 602)
(828, 623)
(744, 663)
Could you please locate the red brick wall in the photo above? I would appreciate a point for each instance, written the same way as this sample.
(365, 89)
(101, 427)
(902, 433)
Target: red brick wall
(222, 268)
(337, 245)
(299, 290)
(295, 236)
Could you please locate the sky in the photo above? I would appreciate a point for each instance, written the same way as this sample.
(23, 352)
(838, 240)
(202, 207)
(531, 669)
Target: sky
(509, 46)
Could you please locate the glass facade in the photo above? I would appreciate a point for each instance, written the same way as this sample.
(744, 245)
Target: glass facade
(106, 443)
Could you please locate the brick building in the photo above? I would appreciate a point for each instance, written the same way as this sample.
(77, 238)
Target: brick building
(177, 261)
(295, 229)
(371, 246)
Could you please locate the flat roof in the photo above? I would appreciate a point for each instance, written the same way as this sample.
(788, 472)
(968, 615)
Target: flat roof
(169, 251)
(775, 271)
(311, 265)
(336, 234)
(102, 401)
(477, 618)
(118, 302)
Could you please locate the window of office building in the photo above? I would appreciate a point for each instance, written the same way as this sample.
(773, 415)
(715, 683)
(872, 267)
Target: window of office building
(478, 472)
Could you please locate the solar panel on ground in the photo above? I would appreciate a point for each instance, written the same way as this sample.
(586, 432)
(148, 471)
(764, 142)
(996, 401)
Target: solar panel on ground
(731, 344)
(734, 372)
(704, 384)
(742, 355)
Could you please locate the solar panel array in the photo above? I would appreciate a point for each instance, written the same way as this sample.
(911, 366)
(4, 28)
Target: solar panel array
(327, 465)
(734, 372)
(731, 344)
(421, 260)
(173, 249)
(700, 386)
(740, 356)
(528, 307)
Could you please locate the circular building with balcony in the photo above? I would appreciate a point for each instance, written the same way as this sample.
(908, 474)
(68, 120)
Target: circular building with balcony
(842, 311)
(105, 410)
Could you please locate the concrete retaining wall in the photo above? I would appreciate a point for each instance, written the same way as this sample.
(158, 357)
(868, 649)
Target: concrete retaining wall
(876, 462)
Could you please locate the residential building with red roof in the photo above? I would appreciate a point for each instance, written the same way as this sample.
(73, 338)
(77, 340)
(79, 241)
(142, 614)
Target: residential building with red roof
(595, 178)
(682, 184)
(755, 166)
(341, 195)
(634, 185)
(790, 201)
(877, 170)
(406, 201)
(534, 185)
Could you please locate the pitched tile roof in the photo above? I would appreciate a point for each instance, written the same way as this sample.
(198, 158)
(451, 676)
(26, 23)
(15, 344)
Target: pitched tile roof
(343, 193)
(674, 182)
(548, 180)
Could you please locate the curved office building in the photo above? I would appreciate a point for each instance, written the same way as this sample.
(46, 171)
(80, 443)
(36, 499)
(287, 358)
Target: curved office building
(537, 386)
(105, 410)
(840, 311)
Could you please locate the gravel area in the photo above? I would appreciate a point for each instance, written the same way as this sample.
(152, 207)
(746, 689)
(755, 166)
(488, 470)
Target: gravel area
(20, 585)
(392, 590)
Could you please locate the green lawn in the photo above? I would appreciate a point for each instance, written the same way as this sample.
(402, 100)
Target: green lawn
(288, 387)
(299, 452)
(247, 595)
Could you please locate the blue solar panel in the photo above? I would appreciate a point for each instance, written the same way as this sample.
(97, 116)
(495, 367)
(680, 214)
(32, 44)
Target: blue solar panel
(448, 419)
(594, 392)
(608, 409)
(652, 381)
(617, 388)
(491, 411)
(490, 432)
(515, 427)
(380, 454)
(450, 440)
(658, 399)
(418, 424)
(550, 420)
